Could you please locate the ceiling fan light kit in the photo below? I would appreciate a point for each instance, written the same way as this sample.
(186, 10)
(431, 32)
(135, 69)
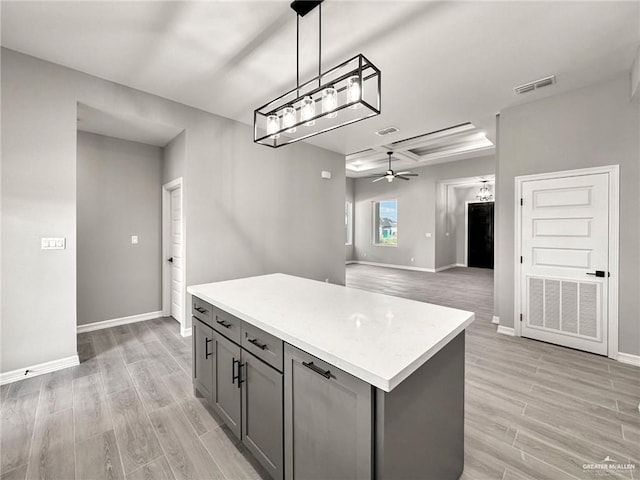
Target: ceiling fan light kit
(342, 95)
(389, 175)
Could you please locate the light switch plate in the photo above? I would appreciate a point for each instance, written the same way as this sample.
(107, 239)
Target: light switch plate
(53, 243)
(134, 239)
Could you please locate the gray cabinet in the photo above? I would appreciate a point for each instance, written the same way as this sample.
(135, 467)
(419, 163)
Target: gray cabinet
(203, 358)
(328, 420)
(227, 364)
(238, 368)
(262, 413)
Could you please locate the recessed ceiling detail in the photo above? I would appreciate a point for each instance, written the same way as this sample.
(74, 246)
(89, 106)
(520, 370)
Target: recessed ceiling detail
(443, 145)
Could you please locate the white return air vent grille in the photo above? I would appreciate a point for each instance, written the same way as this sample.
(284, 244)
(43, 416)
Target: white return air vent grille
(387, 131)
(563, 306)
(531, 86)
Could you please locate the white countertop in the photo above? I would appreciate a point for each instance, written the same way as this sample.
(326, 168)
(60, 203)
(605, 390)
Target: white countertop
(378, 338)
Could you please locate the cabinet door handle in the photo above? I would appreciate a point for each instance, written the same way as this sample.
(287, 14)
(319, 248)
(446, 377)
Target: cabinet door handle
(240, 380)
(200, 310)
(318, 370)
(261, 346)
(234, 377)
(223, 323)
(207, 341)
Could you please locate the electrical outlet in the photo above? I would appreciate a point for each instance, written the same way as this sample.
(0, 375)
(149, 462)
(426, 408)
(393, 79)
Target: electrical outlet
(134, 239)
(428, 235)
(412, 259)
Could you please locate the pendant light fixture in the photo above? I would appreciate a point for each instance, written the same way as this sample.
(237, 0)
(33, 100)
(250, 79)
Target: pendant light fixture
(337, 97)
(484, 194)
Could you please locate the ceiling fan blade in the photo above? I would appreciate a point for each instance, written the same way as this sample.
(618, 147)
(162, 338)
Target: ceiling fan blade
(376, 175)
(411, 174)
(408, 173)
(378, 179)
(403, 177)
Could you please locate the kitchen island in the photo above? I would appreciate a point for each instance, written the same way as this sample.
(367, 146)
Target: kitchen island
(323, 381)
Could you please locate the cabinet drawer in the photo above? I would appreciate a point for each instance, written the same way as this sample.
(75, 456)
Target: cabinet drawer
(263, 345)
(227, 324)
(202, 310)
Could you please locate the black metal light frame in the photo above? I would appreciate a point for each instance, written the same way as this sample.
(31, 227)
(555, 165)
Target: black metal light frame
(368, 104)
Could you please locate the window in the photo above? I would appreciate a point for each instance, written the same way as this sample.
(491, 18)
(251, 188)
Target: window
(385, 222)
(348, 223)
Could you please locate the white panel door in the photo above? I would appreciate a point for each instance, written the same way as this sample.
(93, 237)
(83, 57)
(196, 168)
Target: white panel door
(565, 228)
(177, 263)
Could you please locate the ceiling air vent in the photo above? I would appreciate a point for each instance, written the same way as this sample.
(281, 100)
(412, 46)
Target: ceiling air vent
(529, 87)
(387, 131)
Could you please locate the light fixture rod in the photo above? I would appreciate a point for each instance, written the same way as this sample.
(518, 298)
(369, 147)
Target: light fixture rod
(298, 55)
(319, 44)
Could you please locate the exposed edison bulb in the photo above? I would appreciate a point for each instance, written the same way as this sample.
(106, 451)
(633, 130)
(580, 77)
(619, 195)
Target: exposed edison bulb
(354, 91)
(308, 110)
(273, 125)
(330, 102)
(289, 118)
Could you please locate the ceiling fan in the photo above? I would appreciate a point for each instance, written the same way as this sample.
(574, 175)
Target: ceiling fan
(390, 174)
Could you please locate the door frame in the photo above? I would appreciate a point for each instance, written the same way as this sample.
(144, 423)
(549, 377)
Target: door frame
(167, 188)
(614, 234)
(466, 229)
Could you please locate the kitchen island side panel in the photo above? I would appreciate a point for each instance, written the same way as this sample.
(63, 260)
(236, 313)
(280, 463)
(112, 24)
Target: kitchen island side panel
(419, 425)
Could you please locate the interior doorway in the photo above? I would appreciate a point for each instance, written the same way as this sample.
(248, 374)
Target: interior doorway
(479, 224)
(173, 250)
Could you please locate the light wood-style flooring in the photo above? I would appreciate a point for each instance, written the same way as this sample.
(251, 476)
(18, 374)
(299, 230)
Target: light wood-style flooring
(127, 411)
(533, 410)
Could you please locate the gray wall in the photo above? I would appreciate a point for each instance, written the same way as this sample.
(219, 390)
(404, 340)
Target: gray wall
(596, 125)
(417, 212)
(118, 195)
(350, 197)
(173, 158)
(248, 209)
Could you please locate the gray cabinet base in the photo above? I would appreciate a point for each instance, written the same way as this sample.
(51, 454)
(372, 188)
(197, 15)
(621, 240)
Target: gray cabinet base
(419, 425)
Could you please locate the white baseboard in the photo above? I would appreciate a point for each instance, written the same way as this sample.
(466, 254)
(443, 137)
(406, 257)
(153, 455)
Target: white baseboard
(401, 267)
(185, 332)
(349, 262)
(39, 369)
(114, 322)
(506, 330)
(495, 320)
(629, 358)
(447, 267)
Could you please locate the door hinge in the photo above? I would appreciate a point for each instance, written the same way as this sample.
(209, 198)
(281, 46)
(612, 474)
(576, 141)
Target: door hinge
(520, 317)
(521, 201)
(521, 259)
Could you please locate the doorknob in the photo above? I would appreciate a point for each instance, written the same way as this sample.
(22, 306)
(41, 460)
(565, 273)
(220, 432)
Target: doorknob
(170, 260)
(599, 273)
